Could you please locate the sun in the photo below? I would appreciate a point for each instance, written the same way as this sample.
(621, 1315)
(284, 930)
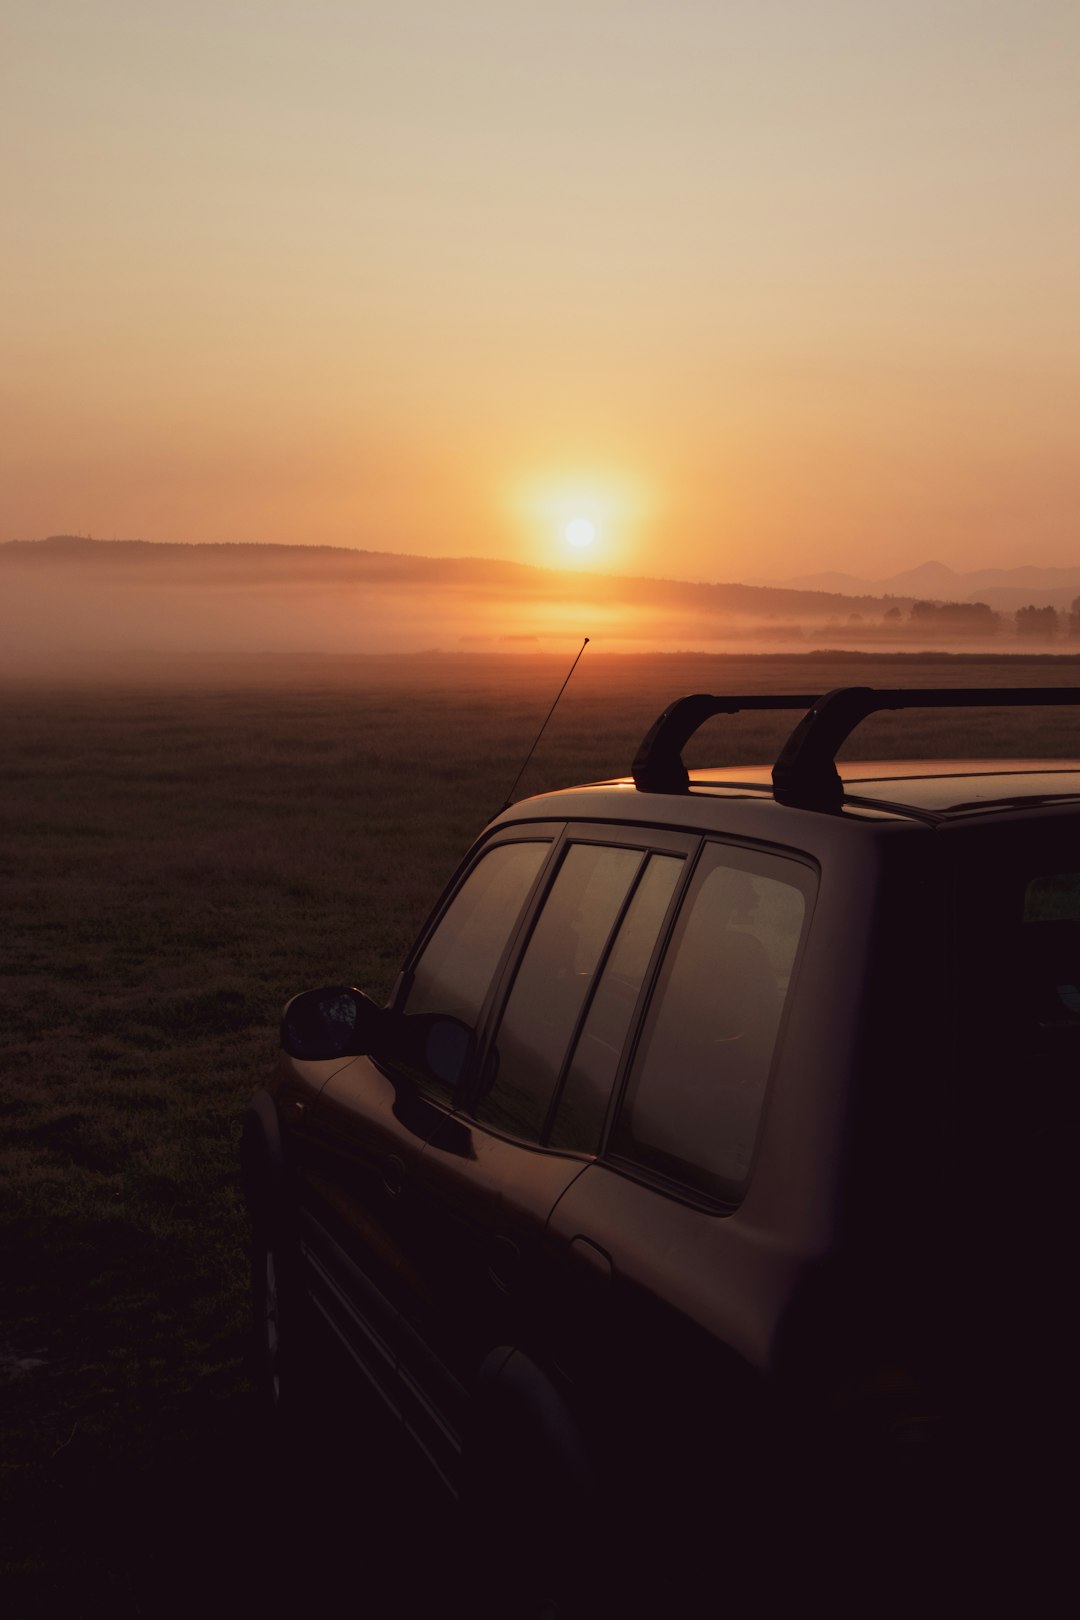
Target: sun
(580, 533)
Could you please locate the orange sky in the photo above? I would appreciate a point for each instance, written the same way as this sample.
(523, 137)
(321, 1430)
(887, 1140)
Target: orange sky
(760, 288)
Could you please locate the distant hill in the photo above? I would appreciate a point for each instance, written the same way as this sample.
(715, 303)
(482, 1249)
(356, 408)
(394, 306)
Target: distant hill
(138, 561)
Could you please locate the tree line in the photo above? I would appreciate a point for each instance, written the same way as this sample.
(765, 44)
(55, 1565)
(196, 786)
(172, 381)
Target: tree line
(972, 621)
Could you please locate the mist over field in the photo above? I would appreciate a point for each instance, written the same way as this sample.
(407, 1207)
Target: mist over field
(70, 603)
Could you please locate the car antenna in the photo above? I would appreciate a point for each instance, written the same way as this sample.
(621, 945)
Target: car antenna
(543, 728)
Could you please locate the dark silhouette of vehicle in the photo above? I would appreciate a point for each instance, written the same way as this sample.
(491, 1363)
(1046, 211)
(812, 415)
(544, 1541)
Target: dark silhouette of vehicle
(703, 1202)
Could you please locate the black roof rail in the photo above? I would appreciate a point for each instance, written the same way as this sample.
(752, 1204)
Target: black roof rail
(658, 766)
(805, 772)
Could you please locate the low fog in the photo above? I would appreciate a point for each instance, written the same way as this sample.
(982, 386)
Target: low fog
(69, 603)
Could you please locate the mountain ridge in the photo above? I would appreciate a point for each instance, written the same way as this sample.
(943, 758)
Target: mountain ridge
(999, 587)
(931, 580)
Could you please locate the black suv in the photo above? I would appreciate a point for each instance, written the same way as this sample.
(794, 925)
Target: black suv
(706, 1191)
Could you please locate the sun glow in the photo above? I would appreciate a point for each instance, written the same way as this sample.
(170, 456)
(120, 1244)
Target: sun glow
(580, 533)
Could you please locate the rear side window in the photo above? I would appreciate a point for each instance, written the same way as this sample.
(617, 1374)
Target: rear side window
(695, 1092)
(455, 970)
(551, 985)
(587, 1088)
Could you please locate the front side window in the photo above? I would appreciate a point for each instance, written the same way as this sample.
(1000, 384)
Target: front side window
(459, 961)
(697, 1085)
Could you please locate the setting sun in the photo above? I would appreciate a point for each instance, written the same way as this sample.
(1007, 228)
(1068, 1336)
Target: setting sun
(580, 533)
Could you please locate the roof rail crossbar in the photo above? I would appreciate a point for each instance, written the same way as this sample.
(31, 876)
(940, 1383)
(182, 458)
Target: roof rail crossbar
(658, 766)
(805, 773)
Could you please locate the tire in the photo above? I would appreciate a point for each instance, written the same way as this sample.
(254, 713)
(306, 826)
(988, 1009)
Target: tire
(266, 1322)
(279, 1322)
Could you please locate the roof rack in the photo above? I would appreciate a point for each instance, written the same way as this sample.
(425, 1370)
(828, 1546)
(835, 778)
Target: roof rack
(805, 772)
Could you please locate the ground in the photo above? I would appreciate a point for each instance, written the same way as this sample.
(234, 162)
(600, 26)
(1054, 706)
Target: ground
(185, 849)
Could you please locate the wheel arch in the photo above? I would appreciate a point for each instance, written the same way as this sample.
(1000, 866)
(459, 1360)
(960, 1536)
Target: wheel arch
(517, 1403)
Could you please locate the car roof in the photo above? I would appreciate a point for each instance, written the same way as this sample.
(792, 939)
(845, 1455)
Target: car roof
(921, 790)
(944, 786)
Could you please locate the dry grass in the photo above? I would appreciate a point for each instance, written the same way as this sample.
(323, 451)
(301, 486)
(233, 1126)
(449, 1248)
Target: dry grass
(179, 856)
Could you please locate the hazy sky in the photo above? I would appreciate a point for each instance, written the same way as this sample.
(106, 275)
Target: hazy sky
(757, 288)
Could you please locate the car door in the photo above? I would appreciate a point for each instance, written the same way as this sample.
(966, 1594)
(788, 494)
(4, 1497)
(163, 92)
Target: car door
(364, 1236)
(569, 994)
(661, 1284)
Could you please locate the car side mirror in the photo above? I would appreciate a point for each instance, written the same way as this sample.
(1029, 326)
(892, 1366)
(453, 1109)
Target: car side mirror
(342, 1022)
(336, 1022)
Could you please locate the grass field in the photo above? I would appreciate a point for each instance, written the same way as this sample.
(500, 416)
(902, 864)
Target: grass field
(181, 854)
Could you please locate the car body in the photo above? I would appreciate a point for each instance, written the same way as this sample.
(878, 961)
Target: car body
(712, 1160)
